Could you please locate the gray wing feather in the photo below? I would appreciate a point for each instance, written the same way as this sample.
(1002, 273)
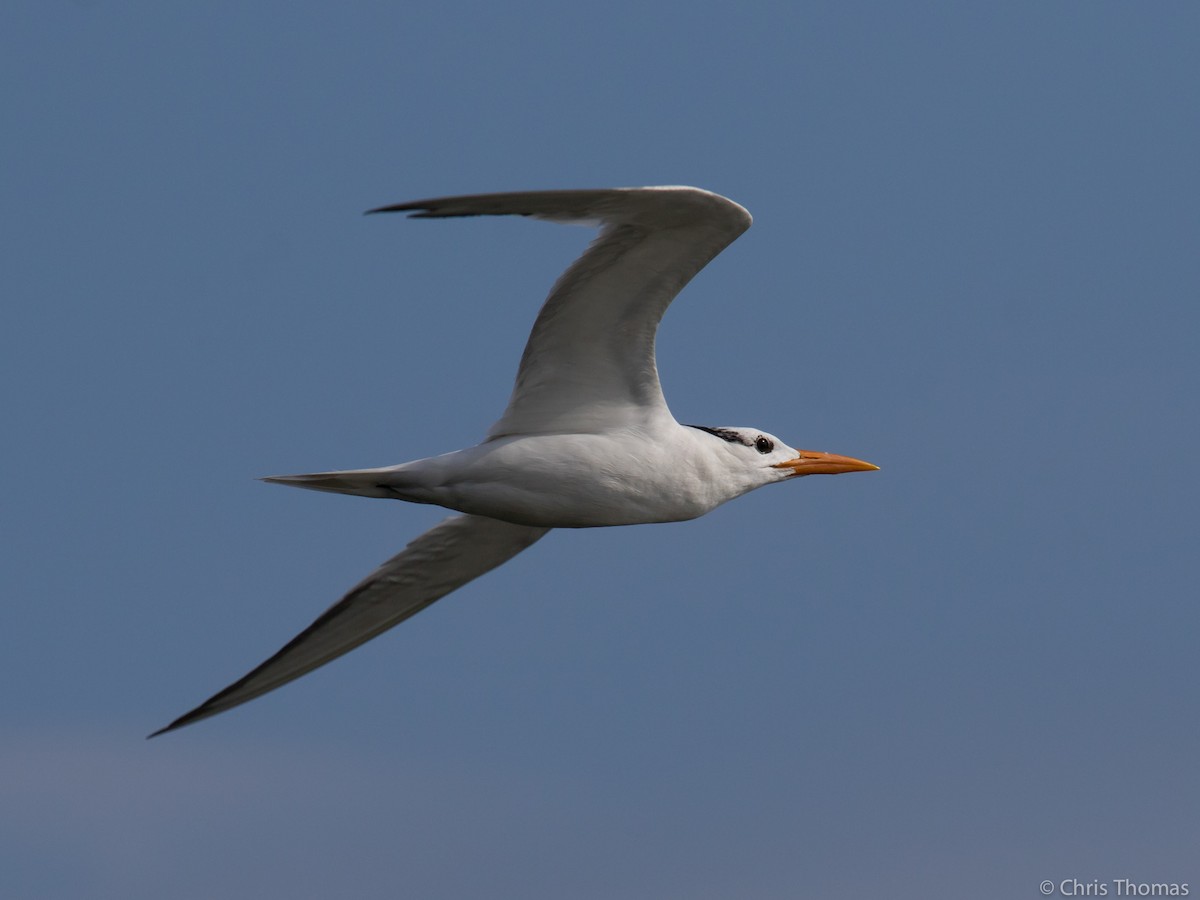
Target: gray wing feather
(589, 364)
(442, 559)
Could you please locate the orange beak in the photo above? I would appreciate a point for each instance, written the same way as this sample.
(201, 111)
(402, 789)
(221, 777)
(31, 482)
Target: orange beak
(813, 462)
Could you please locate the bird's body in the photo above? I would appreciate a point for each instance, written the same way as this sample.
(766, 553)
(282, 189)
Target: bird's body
(632, 476)
(587, 439)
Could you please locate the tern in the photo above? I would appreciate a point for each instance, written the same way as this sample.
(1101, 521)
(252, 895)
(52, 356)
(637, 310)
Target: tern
(587, 439)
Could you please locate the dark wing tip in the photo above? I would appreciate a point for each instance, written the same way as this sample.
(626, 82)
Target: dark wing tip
(178, 724)
(194, 715)
(403, 207)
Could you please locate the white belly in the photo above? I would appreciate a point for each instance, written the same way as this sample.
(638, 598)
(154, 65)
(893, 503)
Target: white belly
(572, 481)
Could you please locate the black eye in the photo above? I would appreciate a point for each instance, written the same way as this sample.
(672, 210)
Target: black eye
(764, 445)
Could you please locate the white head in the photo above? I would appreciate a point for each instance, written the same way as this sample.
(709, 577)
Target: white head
(766, 459)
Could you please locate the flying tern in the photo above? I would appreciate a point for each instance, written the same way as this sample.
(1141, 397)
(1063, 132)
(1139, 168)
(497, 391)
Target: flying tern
(587, 438)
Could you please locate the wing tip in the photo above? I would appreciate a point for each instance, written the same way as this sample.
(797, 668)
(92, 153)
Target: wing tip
(186, 719)
(414, 210)
(592, 205)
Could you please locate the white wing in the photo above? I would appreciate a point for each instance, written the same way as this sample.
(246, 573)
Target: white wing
(589, 363)
(444, 558)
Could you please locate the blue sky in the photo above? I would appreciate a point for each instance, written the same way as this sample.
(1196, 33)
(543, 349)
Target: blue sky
(974, 263)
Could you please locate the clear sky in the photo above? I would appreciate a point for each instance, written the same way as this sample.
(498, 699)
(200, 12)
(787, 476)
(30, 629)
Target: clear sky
(974, 262)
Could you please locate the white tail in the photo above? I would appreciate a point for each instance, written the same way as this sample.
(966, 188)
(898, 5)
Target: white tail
(360, 482)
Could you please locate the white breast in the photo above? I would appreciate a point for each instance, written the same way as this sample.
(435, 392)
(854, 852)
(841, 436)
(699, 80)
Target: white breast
(577, 480)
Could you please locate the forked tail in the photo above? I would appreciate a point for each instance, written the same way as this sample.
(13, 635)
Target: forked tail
(360, 482)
